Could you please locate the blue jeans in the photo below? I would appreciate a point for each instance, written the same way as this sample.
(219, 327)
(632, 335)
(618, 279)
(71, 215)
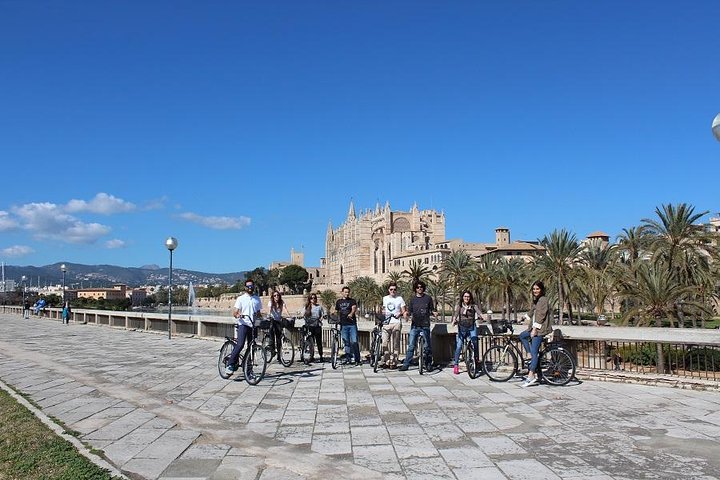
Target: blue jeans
(534, 349)
(412, 338)
(244, 334)
(460, 340)
(349, 334)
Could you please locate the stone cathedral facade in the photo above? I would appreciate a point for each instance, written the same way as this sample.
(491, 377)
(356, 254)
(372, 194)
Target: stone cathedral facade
(378, 241)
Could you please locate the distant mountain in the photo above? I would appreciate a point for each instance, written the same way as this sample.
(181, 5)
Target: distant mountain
(85, 276)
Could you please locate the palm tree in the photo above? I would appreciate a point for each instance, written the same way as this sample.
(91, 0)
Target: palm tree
(327, 300)
(596, 262)
(457, 267)
(508, 278)
(657, 292)
(394, 277)
(632, 243)
(438, 291)
(416, 271)
(367, 293)
(561, 250)
(681, 245)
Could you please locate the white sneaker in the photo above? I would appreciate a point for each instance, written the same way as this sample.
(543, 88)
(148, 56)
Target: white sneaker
(529, 381)
(229, 370)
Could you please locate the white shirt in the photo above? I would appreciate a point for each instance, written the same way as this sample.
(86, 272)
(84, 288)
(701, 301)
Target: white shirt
(393, 306)
(247, 306)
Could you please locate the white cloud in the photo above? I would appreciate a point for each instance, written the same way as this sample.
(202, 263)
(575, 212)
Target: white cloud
(6, 223)
(102, 203)
(115, 243)
(156, 204)
(217, 223)
(48, 220)
(17, 251)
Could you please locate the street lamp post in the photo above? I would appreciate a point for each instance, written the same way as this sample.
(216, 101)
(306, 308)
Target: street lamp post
(171, 244)
(24, 287)
(64, 269)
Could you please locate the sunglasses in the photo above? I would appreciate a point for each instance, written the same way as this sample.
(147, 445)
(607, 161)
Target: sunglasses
(392, 289)
(249, 287)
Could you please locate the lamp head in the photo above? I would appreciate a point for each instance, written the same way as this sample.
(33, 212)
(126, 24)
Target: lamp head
(171, 243)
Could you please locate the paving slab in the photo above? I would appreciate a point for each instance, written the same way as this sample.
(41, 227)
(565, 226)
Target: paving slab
(159, 410)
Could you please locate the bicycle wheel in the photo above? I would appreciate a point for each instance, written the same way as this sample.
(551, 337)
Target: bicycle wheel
(500, 363)
(266, 348)
(225, 352)
(334, 345)
(287, 351)
(306, 350)
(372, 349)
(254, 365)
(470, 360)
(557, 366)
(377, 353)
(421, 354)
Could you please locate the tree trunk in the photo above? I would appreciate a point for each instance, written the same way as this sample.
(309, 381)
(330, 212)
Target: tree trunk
(561, 301)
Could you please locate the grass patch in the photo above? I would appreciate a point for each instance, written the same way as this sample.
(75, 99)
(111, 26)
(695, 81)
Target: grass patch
(30, 450)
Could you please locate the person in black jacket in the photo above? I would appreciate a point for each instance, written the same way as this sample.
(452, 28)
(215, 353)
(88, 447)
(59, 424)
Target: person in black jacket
(420, 308)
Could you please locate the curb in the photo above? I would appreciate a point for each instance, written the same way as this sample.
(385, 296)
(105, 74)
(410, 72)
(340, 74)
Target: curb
(656, 380)
(60, 431)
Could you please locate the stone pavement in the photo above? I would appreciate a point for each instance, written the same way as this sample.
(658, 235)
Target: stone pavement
(158, 410)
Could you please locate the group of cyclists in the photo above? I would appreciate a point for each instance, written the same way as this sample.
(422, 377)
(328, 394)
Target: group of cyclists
(418, 311)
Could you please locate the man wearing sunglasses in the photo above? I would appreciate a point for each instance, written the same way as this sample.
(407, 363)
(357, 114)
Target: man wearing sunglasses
(346, 308)
(420, 308)
(394, 309)
(247, 307)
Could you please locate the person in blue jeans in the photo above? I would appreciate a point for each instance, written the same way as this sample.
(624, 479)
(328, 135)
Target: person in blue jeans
(539, 326)
(420, 308)
(465, 317)
(346, 308)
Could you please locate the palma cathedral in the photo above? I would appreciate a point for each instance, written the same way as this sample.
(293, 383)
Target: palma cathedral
(376, 242)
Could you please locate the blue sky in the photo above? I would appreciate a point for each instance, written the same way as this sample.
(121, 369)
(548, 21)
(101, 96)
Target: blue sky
(243, 128)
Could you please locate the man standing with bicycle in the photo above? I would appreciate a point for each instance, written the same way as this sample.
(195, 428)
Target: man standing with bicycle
(420, 308)
(346, 308)
(247, 306)
(394, 308)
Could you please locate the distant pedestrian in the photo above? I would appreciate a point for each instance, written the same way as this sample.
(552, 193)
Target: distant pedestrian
(26, 308)
(66, 312)
(346, 308)
(539, 326)
(313, 319)
(465, 317)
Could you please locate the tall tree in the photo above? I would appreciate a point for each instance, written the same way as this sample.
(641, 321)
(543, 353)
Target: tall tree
(416, 271)
(561, 250)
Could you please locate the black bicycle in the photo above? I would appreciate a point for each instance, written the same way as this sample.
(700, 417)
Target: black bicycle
(556, 365)
(287, 347)
(252, 360)
(376, 343)
(307, 344)
(471, 361)
(336, 342)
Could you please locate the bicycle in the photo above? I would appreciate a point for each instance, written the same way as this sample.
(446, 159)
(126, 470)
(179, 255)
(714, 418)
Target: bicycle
(307, 344)
(287, 348)
(335, 341)
(376, 350)
(556, 365)
(468, 354)
(252, 360)
(420, 352)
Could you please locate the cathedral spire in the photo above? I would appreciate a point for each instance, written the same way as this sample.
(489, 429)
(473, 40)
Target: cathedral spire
(351, 211)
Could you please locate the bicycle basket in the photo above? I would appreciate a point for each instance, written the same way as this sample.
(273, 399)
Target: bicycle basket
(262, 323)
(288, 323)
(500, 326)
(332, 320)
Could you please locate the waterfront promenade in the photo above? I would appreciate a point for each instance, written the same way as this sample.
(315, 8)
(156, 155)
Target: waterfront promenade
(158, 410)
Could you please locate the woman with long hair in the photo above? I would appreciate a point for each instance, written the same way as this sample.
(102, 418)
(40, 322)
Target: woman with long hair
(314, 313)
(465, 317)
(539, 325)
(276, 305)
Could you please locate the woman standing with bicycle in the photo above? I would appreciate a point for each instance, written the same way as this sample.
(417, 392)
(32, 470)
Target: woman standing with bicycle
(313, 320)
(465, 317)
(539, 326)
(276, 306)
